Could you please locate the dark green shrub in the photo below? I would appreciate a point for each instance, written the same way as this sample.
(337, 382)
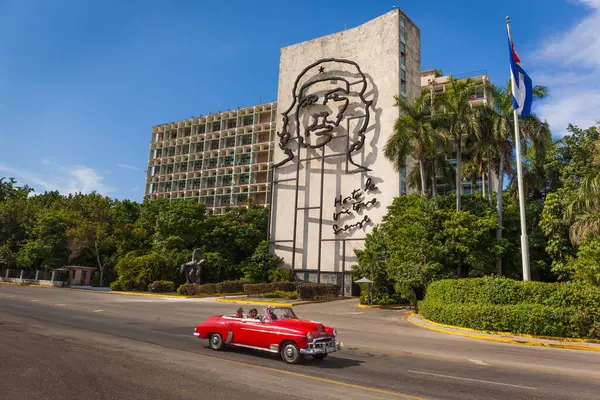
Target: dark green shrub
(501, 304)
(259, 289)
(161, 287)
(532, 319)
(122, 285)
(315, 291)
(230, 287)
(194, 290)
(279, 294)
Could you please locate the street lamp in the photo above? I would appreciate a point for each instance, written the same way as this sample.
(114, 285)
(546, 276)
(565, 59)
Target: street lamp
(368, 282)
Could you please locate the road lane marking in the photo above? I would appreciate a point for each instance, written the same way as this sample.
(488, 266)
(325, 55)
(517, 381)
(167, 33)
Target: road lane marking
(98, 310)
(314, 378)
(479, 362)
(472, 380)
(34, 300)
(60, 305)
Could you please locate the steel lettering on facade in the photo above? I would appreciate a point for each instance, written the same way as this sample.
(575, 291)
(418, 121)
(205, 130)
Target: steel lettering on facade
(354, 202)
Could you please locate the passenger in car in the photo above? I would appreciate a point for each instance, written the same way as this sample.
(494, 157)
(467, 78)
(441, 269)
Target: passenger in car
(253, 314)
(240, 313)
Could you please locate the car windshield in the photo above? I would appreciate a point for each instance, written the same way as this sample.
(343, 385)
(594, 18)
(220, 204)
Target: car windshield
(275, 314)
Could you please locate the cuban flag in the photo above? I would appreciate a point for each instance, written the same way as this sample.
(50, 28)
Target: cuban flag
(522, 89)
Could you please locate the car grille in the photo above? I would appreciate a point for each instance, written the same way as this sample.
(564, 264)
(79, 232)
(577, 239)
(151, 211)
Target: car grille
(322, 343)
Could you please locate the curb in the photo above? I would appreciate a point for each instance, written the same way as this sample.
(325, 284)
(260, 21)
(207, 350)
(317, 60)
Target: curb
(504, 340)
(274, 303)
(387, 306)
(26, 284)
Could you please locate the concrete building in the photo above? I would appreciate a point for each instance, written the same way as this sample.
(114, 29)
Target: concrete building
(220, 160)
(331, 182)
(435, 83)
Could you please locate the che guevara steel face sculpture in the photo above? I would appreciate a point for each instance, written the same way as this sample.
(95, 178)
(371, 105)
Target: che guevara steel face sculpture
(325, 93)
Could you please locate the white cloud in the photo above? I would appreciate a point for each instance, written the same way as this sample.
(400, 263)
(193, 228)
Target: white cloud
(569, 64)
(127, 166)
(64, 179)
(135, 189)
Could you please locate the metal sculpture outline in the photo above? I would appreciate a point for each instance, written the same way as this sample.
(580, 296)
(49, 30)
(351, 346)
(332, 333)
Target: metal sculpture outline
(285, 136)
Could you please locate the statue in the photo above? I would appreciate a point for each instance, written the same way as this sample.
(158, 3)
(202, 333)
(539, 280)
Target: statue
(193, 269)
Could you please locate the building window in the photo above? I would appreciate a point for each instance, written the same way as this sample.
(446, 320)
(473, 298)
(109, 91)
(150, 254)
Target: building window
(214, 144)
(227, 180)
(245, 159)
(403, 75)
(247, 139)
(211, 181)
(216, 126)
(212, 163)
(244, 178)
(228, 161)
(403, 88)
(402, 48)
(403, 62)
(230, 142)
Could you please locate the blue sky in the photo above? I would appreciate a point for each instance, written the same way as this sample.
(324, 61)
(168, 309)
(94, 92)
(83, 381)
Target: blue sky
(82, 82)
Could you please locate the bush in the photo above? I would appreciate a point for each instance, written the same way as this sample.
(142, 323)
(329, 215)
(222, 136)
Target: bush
(504, 291)
(316, 291)
(259, 289)
(230, 287)
(161, 287)
(501, 304)
(281, 295)
(281, 274)
(532, 319)
(122, 285)
(194, 290)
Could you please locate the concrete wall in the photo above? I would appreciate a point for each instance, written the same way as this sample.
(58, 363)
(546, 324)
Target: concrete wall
(375, 48)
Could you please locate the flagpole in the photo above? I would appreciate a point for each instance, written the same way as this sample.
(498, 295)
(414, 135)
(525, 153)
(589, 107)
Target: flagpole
(524, 238)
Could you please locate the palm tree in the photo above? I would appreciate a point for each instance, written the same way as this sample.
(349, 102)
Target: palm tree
(502, 99)
(455, 120)
(412, 135)
(584, 210)
(436, 166)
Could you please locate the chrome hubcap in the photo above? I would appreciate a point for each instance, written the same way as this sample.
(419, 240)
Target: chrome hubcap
(216, 340)
(290, 352)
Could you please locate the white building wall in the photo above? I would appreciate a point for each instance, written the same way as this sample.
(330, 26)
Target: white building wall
(375, 48)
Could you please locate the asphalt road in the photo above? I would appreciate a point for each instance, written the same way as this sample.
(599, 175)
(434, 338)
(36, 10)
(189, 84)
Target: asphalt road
(57, 342)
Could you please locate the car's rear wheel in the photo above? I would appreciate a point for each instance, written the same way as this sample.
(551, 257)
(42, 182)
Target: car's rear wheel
(320, 356)
(216, 341)
(290, 353)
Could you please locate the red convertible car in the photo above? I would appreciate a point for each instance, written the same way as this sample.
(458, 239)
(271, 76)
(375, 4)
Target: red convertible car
(277, 330)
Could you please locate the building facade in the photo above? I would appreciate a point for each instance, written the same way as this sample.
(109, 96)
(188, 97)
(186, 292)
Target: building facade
(221, 160)
(433, 82)
(331, 182)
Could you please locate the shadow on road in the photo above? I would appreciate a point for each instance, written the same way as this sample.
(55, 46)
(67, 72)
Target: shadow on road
(331, 362)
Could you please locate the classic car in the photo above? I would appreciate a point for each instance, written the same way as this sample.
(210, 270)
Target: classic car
(275, 330)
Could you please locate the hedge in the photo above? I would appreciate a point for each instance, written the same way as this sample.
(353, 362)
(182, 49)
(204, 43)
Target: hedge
(282, 295)
(532, 319)
(316, 291)
(259, 289)
(506, 305)
(211, 288)
(161, 287)
(493, 290)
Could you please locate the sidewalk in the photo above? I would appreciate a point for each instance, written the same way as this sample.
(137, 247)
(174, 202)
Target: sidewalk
(502, 337)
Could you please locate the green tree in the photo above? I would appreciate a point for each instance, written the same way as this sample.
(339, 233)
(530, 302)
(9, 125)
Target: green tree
(412, 135)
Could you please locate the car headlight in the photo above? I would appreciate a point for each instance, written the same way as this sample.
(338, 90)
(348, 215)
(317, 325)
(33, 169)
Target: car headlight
(334, 333)
(309, 336)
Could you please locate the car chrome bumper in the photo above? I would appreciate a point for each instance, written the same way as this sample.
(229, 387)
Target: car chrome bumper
(196, 334)
(316, 347)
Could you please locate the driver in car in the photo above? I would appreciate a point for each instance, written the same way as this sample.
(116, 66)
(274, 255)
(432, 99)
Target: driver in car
(253, 314)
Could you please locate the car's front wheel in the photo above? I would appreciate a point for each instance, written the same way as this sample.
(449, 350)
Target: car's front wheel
(216, 341)
(290, 353)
